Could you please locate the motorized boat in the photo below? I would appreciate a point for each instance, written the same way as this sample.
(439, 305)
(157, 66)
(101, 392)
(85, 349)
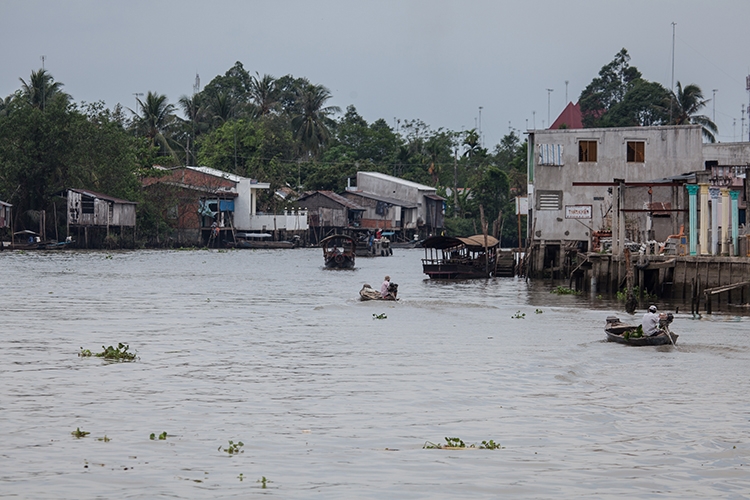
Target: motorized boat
(448, 257)
(369, 293)
(630, 335)
(339, 251)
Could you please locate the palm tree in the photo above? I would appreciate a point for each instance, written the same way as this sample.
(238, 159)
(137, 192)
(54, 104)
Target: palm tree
(685, 105)
(196, 123)
(222, 107)
(41, 89)
(311, 126)
(156, 120)
(264, 93)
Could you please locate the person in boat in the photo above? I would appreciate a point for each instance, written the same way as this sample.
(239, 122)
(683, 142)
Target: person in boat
(650, 322)
(384, 287)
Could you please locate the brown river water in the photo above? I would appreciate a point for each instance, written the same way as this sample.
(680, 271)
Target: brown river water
(269, 348)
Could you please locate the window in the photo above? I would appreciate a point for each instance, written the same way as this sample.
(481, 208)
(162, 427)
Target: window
(87, 205)
(550, 154)
(549, 200)
(636, 152)
(587, 151)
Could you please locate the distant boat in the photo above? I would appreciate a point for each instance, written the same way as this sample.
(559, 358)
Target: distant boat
(378, 247)
(448, 257)
(261, 240)
(369, 293)
(339, 251)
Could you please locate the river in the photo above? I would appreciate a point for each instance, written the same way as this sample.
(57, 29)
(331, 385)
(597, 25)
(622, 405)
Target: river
(335, 398)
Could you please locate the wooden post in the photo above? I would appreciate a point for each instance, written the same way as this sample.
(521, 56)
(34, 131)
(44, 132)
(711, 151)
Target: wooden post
(630, 303)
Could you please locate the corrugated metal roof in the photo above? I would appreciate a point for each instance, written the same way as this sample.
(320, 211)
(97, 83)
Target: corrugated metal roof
(398, 180)
(101, 196)
(229, 176)
(341, 200)
(392, 201)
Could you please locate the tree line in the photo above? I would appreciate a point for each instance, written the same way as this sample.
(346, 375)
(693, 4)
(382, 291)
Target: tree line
(283, 131)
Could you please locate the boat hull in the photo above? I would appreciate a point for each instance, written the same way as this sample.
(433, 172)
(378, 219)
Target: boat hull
(617, 334)
(369, 293)
(454, 271)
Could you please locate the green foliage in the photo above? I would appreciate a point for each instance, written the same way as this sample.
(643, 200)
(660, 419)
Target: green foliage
(379, 316)
(563, 290)
(233, 448)
(161, 437)
(622, 295)
(519, 315)
(635, 333)
(490, 445)
(105, 439)
(119, 353)
(78, 433)
(538, 311)
(263, 482)
(453, 443)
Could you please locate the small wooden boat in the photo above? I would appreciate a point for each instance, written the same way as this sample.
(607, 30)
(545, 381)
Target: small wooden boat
(339, 251)
(369, 293)
(623, 333)
(448, 257)
(261, 240)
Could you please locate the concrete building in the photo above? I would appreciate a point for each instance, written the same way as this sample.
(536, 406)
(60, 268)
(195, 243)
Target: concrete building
(572, 175)
(589, 187)
(397, 204)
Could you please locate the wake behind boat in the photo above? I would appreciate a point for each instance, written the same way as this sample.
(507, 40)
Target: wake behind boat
(623, 333)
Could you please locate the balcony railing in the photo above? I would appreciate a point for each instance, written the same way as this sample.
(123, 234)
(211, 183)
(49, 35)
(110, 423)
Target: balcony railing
(287, 220)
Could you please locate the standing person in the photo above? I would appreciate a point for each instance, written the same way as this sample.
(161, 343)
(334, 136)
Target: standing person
(384, 287)
(650, 322)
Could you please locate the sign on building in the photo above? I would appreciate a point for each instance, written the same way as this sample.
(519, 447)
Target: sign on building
(578, 211)
(522, 205)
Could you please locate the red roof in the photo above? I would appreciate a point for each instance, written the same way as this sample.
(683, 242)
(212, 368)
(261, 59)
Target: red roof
(570, 117)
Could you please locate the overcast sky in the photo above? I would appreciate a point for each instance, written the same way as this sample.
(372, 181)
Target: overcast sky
(434, 60)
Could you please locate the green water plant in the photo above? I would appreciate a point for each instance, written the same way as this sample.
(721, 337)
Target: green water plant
(263, 482)
(379, 316)
(563, 290)
(78, 433)
(120, 353)
(519, 315)
(160, 437)
(105, 439)
(233, 448)
(490, 445)
(538, 311)
(454, 443)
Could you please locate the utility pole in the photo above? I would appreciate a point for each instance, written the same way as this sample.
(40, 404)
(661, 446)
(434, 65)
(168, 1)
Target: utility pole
(742, 123)
(566, 92)
(549, 92)
(137, 101)
(43, 88)
(671, 85)
(713, 116)
(747, 87)
(481, 142)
